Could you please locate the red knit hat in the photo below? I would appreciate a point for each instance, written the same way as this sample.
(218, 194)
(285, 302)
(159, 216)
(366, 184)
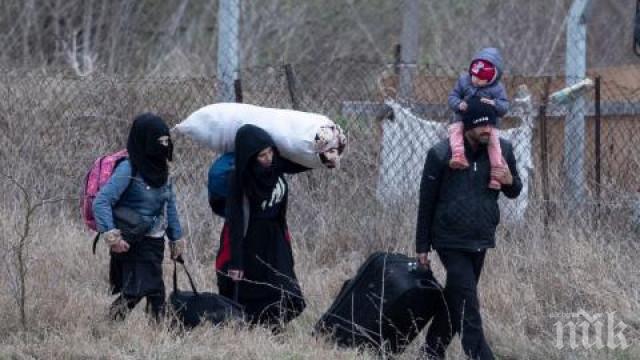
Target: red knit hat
(483, 70)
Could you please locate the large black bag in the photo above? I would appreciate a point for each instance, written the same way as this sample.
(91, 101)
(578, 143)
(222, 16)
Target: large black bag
(193, 307)
(384, 306)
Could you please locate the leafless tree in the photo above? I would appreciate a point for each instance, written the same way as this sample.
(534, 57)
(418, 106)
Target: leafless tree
(17, 258)
(127, 36)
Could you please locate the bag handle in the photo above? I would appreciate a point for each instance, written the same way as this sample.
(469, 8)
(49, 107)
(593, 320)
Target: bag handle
(180, 260)
(193, 286)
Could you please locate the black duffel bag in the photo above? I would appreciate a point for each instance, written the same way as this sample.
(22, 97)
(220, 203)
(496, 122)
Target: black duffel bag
(193, 307)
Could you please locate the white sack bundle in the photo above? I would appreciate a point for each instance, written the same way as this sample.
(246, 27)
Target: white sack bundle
(309, 139)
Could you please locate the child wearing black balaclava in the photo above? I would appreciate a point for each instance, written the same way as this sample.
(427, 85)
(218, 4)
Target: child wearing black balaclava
(140, 185)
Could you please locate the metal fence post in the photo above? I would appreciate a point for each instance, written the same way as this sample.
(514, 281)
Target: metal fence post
(544, 151)
(291, 86)
(228, 48)
(237, 87)
(409, 49)
(544, 158)
(397, 58)
(574, 129)
(597, 138)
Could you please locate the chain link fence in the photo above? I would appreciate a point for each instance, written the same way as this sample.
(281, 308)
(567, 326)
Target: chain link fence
(53, 128)
(577, 160)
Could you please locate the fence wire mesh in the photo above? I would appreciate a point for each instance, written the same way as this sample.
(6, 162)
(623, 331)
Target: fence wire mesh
(338, 58)
(56, 126)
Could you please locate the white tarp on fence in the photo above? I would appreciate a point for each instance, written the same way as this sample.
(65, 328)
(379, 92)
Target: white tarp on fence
(406, 141)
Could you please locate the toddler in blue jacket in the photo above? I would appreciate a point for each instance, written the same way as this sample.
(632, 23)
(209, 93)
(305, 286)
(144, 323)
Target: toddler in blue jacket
(483, 81)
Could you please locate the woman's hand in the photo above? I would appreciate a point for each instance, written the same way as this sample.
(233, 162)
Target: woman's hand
(235, 274)
(116, 243)
(177, 248)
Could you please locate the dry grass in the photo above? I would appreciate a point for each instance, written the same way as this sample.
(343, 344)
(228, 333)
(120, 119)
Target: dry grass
(525, 282)
(47, 145)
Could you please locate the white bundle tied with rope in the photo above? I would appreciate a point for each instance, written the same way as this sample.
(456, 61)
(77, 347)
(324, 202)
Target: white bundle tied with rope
(308, 139)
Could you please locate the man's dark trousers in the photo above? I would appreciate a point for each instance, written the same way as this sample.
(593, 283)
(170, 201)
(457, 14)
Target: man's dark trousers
(461, 315)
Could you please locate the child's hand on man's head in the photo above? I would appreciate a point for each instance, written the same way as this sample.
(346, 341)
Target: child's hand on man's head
(488, 101)
(463, 106)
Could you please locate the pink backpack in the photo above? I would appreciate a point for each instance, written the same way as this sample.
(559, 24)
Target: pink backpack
(97, 176)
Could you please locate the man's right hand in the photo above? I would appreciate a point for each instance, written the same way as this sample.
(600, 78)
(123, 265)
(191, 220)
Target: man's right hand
(463, 106)
(235, 274)
(423, 258)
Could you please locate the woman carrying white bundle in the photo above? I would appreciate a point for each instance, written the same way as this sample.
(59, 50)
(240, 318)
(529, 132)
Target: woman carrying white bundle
(308, 139)
(255, 252)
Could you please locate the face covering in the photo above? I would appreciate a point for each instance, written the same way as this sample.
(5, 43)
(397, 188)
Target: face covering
(147, 155)
(261, 179)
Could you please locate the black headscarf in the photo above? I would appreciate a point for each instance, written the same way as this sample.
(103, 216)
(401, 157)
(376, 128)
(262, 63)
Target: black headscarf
(148, 157)
(249, 179)
(256, 180)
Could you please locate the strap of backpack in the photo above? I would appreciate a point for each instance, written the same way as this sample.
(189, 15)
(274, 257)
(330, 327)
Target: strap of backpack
(175, 275)
(95, 241)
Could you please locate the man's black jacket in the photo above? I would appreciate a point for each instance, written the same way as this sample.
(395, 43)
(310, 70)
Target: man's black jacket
(457, 210)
